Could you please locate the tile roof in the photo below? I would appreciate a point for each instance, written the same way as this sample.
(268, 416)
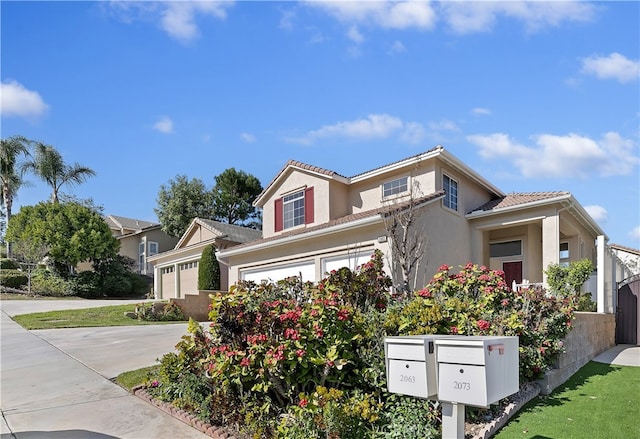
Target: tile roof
(343, 220)
(625, 249)
(232, 232)
(121, 222)
(517, 199)
(398, 161)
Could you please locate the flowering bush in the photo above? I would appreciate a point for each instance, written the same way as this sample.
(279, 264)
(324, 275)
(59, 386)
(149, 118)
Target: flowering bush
(477, 301)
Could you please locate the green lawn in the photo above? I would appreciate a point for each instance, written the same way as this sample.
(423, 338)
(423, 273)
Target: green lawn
(81, 318)
(133, 378)
(598, 401)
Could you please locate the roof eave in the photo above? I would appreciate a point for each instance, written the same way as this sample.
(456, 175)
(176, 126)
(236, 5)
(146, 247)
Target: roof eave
(376, 218)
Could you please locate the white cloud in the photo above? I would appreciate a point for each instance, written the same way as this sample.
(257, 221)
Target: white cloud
(571, 155)
(164, 125)
(248, 138)
(177, 18)
(16, 100)
(354, 35)
(386, 14)
(614, 66)
(481, 111)
(396, 47)
(635, 233)
(286, 19)
(598, 213)
(374, 126)
(470, 17)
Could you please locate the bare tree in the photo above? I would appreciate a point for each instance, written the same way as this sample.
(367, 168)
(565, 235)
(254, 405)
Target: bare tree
(29, 254)
(408, 242)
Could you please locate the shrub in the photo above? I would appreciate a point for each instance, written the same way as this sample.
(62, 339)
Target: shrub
(477, 301)
(46, 283)
(567, 281)
(12, 278)
(169, 312)
(209, 270)
(8, 264)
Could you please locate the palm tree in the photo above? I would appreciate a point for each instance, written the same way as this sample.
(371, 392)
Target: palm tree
(10, 178)
(51, 168)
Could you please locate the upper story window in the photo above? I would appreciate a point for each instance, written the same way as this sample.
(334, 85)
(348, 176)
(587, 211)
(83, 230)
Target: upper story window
(395, 187)
(153, 248)
(450, 187)
(294, 209)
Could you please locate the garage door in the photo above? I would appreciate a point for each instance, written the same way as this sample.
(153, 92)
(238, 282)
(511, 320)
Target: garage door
(306, 269)
(350, 261)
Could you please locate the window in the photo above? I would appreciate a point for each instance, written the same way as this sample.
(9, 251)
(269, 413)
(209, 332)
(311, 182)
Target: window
(564, 254)
(450, 187)
(294, 209)
(505, 249)
(153, 248)
(141, 256)
(394, 187)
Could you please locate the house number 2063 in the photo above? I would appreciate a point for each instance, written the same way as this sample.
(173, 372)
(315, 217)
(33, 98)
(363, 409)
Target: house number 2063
(461, 385)
(407, 379)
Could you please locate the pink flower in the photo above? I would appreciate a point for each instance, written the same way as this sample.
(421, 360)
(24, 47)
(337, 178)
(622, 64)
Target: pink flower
(155, 383)
(303, 402)
(443, 267)
(424, 293)
(330, 363)
(300, 353)
(505, 302)
(292, 334)
(245, 362)
(453, 329)
(483, 325)
(343, 314)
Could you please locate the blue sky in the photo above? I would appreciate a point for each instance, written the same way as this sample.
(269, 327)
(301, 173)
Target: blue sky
(535, 96)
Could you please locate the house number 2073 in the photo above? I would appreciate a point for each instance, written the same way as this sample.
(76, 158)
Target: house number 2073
(461, 385)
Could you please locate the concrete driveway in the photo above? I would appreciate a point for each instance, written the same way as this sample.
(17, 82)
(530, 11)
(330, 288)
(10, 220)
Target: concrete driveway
(55, 383)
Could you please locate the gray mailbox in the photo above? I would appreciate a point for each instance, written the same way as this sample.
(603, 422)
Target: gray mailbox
(477, 370)
(411, 365)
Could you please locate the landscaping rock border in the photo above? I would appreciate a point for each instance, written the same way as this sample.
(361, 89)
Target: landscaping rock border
(484, 431)
(213, 431)
(474, 431)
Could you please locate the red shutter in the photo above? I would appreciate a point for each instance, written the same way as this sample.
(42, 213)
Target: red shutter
(278, 214)
(308, 205)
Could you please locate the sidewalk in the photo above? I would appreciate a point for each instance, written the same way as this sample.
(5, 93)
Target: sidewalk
(621, 355)
(46, 393)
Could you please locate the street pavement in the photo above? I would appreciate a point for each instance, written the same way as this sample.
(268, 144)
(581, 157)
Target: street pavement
(56, 383)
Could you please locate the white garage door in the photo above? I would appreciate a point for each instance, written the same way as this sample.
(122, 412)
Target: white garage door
(351, 261)
(306, 269)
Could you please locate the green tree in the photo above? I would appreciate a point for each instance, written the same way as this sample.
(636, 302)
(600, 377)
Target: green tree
(180, 201)
(30, 253)
(73, 233)
(209, 270)
(50, 167)
(567, 281)
(10, 151)
(233, 196)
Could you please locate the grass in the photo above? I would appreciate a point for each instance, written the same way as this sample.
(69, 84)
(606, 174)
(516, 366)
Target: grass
(82, 318)
(134, 378)
(25, 296)
(598, 401)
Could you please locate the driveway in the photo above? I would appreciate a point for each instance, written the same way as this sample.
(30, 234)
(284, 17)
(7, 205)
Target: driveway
(55, 383)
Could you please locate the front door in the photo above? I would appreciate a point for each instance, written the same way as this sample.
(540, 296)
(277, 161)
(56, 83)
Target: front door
(512, 272)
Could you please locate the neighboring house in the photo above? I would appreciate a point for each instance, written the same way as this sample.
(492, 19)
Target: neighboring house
(629, 260)
(316, 220)
(140, 240)
(176, 270)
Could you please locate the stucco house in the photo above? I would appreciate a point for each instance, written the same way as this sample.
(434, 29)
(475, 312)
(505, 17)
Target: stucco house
(140, 240)
(316, 220)
(176, 270)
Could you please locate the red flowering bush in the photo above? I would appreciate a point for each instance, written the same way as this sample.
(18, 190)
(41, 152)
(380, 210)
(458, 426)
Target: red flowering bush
(271, 343)
(477, 301)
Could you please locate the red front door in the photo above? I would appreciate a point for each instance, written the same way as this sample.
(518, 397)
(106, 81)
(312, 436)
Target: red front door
(512, 272)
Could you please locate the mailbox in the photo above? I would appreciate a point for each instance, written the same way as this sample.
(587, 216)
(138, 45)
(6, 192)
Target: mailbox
(477, 370)
(411, 365)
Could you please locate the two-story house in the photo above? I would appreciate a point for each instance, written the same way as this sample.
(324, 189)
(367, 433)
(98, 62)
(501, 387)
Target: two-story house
(316, 220)
(140, 240)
